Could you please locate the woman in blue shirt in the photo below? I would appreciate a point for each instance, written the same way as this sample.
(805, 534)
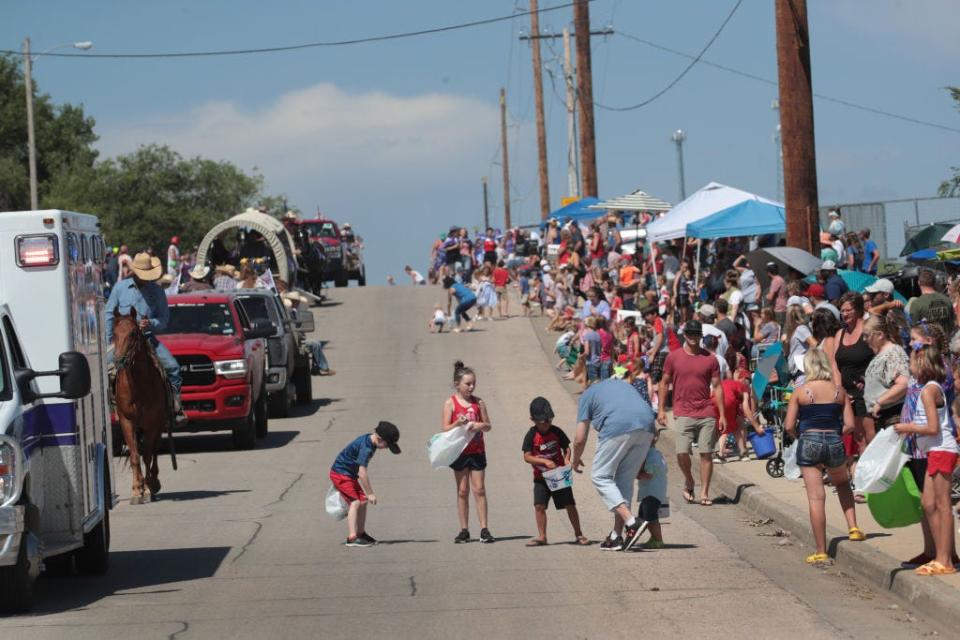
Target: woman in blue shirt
(466, 299)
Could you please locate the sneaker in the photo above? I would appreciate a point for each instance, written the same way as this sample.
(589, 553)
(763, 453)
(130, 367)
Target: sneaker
(359, 541)
(632, 533)
(485, 536)
(463, 536)
(368, 537)
(652, 544)
(611, 544)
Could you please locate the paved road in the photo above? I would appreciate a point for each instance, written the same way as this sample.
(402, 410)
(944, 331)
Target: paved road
(240, 546)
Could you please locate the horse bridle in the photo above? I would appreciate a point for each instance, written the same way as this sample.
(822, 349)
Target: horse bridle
(128, 358)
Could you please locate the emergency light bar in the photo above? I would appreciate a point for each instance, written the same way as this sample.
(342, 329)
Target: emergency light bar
(37, 251)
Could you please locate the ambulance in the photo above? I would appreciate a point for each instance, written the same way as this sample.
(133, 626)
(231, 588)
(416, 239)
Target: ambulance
(56, 476)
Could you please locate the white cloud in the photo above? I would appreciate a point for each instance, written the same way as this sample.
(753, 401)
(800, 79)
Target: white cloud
(324, 133)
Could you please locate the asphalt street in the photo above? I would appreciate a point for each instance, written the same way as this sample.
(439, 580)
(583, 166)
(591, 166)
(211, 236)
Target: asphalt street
(239, 545)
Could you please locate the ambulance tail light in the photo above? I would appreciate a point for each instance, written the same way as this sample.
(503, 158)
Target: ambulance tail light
(11, 467)
(37, 251)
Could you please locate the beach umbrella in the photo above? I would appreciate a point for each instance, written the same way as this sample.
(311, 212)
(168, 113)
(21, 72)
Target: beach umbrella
(772, 366)
(784, 257)
(952, 235)
(934, 235)
(857, 281)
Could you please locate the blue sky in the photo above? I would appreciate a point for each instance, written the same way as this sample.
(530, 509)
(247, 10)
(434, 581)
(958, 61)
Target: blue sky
(396, 136)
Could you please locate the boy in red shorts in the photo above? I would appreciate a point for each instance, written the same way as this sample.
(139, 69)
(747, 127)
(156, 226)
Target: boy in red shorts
(349, 476)
(548, 447)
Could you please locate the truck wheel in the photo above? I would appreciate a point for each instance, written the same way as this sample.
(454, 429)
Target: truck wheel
(304, 383)
(93, 559)
(260, 414)
(341, 279)
(16, 583)
(279, 403)
(362, 280)
(245, 432)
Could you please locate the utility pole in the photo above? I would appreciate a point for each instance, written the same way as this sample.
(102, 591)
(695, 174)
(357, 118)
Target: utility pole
(538, 100)
(486, 207)
(573, 173)
(588, 151)
(796, 124)
(31, 143)
(506, 160)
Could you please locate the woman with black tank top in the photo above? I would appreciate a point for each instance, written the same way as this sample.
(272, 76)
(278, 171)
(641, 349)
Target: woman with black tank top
(821, 413)
(851, 356)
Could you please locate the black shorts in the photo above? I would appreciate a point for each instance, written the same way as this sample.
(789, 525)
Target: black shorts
(561, 499)
(650, 509)
(471, 461)
(918, 468)
(452, 258)
(859, 406)
(490, 256)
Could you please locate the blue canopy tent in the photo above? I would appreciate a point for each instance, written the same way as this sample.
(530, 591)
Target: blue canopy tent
(579, 210)
(747, 218)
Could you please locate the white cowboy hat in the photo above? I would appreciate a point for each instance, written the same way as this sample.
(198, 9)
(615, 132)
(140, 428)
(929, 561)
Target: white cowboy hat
(199, 272)
(290, 215)
(147, 267)
(226, 269)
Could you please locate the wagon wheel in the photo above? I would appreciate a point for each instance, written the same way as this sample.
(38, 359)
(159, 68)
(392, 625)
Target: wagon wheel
(775, 467)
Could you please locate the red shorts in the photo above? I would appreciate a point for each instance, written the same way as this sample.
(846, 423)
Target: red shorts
(941, 462)
(348, 487)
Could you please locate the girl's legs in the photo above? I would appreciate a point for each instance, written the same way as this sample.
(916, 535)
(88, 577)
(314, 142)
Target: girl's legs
(479, 496)
(841, 481)
(941, 520)
(463, 497)
(869, 430)
(813, 481)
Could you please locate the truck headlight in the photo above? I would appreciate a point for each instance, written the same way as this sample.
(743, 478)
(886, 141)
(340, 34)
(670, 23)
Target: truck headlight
(11, 463)
(231, 368)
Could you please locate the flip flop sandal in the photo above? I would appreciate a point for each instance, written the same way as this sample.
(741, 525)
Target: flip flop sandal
(536, 543)
(934, 568)
(582, 541)
(706, 502)
(856, 535)
(818, 558)
(688, 495)
(916, 561)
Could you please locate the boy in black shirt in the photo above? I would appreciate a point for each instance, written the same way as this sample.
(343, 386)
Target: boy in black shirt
(547, 447)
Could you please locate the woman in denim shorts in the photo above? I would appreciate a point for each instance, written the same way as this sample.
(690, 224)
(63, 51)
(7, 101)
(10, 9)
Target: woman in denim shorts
(820, 411)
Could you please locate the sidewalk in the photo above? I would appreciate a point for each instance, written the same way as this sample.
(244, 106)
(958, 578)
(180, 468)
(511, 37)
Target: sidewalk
(876, 560)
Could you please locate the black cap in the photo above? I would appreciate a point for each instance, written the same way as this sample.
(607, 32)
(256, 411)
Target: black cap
(390, 434)
(693, 327)
(646, 307)
(540, 409)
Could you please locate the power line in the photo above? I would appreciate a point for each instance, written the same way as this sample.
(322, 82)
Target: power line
(682, 73)
(295, 47)
(773, 83)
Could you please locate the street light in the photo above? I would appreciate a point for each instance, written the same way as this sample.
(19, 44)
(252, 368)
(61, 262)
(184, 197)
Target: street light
(28, 83)
(678, 137)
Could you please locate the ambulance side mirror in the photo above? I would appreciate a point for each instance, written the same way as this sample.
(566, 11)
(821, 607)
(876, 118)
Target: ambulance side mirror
(74, 375)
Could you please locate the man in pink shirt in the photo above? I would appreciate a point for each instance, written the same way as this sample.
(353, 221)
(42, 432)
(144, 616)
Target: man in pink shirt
(696, 414)
(777, 293)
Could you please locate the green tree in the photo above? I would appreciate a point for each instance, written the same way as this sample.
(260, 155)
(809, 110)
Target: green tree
(951, 186)
(145, 197)
(64, 138)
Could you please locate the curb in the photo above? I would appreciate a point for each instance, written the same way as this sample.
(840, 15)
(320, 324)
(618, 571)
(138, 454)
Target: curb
(929, 595)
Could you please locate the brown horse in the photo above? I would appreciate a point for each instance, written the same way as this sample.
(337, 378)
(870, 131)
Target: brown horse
(142, 405)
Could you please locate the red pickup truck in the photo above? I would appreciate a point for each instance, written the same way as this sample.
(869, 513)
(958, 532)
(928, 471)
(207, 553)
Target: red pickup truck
(222, 356)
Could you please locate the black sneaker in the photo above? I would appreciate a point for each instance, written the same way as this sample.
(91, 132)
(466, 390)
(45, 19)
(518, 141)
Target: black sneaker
(611, 544)
(359, 541)
(368, 538)
(485, 536)
(632, 533)
(463, 536)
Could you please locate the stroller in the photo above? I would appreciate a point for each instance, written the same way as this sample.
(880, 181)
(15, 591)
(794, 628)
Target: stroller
(773, 408)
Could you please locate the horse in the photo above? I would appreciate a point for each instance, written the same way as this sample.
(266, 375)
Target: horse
(142, 403)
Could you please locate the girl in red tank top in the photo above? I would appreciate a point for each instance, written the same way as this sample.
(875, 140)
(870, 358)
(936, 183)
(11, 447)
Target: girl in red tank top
(463, 409)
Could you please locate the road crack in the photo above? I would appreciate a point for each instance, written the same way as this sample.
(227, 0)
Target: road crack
(330, 424)
(283, 494)
(413, 586)
(185, 626)
(250, 541)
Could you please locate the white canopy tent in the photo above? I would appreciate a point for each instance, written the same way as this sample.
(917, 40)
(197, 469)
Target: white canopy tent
(705, 202)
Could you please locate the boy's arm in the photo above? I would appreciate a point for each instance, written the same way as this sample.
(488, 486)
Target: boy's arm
(364, 481)
(529, 458)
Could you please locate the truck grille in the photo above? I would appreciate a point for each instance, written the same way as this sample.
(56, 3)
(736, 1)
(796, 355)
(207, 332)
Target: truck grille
(197, 371)
(275, 352)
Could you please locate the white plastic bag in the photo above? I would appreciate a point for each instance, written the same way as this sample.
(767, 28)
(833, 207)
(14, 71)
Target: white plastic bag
(791, 471)
(445, 447)
(336, 505)
(881, 462)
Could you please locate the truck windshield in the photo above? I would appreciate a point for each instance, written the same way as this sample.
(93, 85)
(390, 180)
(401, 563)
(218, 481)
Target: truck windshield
(211, 319)
(322, 229)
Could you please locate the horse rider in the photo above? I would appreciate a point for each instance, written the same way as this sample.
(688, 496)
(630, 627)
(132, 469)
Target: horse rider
(141, 292)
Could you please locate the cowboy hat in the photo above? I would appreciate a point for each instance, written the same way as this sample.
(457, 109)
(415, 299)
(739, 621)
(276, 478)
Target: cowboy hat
(147, 267)
(290, 215)
(199, 272)
(225, 269)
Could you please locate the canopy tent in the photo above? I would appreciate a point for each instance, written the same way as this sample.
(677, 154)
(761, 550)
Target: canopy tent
(750, 217)
(857, 281)
(579, 210)
(713, 198)
(636, 201)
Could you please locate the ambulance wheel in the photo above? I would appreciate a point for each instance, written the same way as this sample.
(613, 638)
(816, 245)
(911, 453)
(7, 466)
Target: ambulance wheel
(304, 384)
(260, 411)
(93, 559)
(16, 583)
(245, 432)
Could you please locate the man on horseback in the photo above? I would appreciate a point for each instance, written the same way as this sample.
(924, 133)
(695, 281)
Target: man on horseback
(142, 293)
